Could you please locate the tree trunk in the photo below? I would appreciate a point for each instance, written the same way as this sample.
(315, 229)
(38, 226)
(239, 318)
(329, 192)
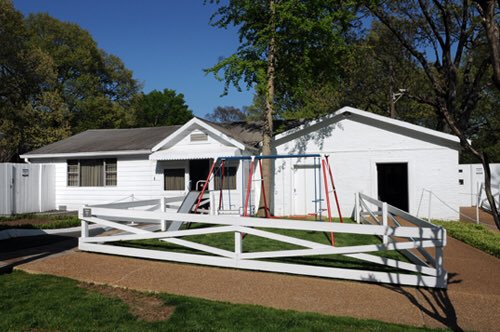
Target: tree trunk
(267, 129)
(392, 101)
(487, 189)
(484, 161)
(487, 10)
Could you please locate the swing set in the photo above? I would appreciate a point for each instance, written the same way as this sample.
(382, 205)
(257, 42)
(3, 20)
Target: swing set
(219, 169)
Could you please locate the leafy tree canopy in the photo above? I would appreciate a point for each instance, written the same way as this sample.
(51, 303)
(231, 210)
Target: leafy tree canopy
(225, 114)
(162, 108)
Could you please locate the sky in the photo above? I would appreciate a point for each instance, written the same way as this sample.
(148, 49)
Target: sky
(166, 43)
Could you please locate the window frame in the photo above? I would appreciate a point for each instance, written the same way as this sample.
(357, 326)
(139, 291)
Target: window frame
(104, 163)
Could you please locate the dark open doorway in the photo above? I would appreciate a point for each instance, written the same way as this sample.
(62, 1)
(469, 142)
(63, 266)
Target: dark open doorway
(392, 181)
(198, 171)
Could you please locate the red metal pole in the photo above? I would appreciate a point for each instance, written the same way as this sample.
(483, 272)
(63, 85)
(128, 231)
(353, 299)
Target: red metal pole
(249, 185)
(221, 184)
(332, 239)
(263, 188)
(204, 187)
(334, 189)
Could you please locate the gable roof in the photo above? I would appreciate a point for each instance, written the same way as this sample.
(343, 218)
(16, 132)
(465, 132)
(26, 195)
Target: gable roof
(239, 134)
(347, 112)
(106, 141)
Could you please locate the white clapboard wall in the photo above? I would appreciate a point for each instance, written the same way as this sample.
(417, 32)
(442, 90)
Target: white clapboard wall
(26, 188)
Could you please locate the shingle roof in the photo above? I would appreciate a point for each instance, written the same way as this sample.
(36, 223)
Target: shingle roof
(102, 140)
(134, 139)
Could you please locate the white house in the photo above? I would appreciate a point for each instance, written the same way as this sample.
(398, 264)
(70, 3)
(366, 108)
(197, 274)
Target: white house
(382, 157)
(471, 182)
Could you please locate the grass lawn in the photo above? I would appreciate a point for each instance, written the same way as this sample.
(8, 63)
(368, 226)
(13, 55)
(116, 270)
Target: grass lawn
(47, 303)
(477, 236)
(47, 221)
(253, 243)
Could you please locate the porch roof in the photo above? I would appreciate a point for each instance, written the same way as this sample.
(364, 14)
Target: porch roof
(200, 153)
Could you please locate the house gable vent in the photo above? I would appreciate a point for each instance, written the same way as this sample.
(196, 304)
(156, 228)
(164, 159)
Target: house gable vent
(200, 137)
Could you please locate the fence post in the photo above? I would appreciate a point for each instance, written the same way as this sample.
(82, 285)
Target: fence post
(439, 255)
(40, 191)
(163, 222)
(429, 207)
(356, 207)
(385, 238)
(85, 224)
(237, 247)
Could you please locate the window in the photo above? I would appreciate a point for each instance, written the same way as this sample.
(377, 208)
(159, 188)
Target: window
(199, 137)
(92, 173)
(229, 178)
(461, 182)
(174, 179)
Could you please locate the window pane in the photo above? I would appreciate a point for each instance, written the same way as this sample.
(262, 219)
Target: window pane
(110, 165)
(111, 172)
(91, 173)
(72, 179)
(72, 173)
(174, 179)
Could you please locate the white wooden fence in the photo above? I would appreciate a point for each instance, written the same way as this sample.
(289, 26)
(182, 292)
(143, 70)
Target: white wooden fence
(26, 188)
(417, 236)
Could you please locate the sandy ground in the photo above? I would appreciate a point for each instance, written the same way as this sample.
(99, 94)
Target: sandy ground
(470, 303)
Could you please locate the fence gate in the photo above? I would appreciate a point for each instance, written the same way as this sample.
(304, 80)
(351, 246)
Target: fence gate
(26, 188)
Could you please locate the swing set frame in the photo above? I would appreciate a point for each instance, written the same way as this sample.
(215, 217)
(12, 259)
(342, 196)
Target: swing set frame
(324, 165)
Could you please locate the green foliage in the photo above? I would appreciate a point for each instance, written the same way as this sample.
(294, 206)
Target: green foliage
(95, 86)
(42, 302)
(162, 109)
(309, 42)
(477, 236)
(48, 221)
(226, 114)
(55, 81)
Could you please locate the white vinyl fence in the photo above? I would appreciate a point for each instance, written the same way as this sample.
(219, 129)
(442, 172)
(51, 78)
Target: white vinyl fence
(26, 188)
(405, 236)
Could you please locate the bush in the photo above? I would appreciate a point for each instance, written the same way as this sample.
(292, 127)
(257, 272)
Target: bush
(477, 236)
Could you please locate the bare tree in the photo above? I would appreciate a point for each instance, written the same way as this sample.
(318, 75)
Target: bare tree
(448, 41)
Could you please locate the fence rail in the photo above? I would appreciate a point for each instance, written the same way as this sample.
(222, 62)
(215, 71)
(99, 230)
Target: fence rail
(418, 236)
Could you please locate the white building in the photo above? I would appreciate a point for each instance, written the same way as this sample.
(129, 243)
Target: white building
(471, 184)
(381, 157)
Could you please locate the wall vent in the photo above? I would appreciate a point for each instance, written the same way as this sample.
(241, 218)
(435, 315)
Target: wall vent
(199, 137)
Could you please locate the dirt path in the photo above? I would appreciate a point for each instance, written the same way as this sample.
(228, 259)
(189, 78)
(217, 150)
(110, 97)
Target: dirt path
(470, 303)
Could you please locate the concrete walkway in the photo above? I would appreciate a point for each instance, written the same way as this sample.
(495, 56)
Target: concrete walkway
(470, 303)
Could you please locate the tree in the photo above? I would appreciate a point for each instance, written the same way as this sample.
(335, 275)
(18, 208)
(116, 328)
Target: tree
(162, 109)
(25, 73)
(285, 45)
(226, 114)
(488, 10)
(54, 81)
(96, 86)
(446, 40)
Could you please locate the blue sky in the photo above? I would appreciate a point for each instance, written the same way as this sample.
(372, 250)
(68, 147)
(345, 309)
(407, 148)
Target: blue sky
(167, 44)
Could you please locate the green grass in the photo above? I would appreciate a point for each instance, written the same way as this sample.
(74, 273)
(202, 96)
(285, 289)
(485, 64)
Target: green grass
(255, 244)
(51, 221)
(477, 236)
(47, 303)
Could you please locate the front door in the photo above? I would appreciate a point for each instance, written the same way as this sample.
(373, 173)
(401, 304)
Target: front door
(198, 172)
(392, 181)
(304, 189)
